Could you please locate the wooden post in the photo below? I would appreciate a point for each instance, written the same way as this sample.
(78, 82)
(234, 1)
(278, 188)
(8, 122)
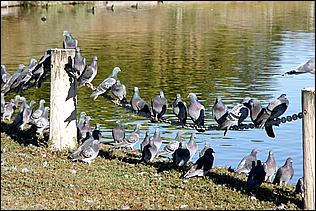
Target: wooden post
(308, 106)
(63, 102)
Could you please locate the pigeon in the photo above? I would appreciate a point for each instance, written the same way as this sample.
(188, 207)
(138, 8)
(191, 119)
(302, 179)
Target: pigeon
(5, 76)
(24, 77)
(42, 122)
(202, 166)
(299, 187)
(106, 84)
(79, 63)
(235, 117)
(196, 110)
(192, 146)
(27, 112)
(179, 108)
(245, 164)
(118, 132)
(138, 104)
(276, 108)
(38, 113)
(150, 151)
(84, 130)
(119, 91)
(87, 151)
(172, 145)
(157, 138)
(69, 42)
(145, 141)
(80, 124)
(284, 173)
(9, 109)
(2, 104)
(110, 7)
(255, 109)
(219, 111)
(135, 6)
(206, 146)
(89, 73)
(181, 155)
(256, 176)
(307, 67)
(131, 140)
(159, 106)
(270, 167)
(7, 86)
(96, 133)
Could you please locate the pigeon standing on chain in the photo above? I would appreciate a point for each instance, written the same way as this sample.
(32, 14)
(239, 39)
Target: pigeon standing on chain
(202, 166)
(196, 110)
(89, 73)
(255, 109)
(106, 84)
(5, 76)
(270, 167)
(276, 108)
(150, 151)
(179, 108)
(284, 173)
(159, 106)
(256, 176)
(245, 164)
(119, 90)
(79, 63)
(138, 104)
(172, 145)
(118, 132)
(69, 42)
(219, 111)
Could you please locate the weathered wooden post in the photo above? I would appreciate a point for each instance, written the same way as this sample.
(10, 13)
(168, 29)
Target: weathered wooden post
(308, 107)
(63, 102)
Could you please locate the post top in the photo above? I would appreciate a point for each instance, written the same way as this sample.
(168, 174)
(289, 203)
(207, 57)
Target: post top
(61, 49)
(309, 89)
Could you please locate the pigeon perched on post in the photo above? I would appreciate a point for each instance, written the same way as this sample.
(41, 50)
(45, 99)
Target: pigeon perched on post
(256, 176)
(138, 104)
(106, 84)
(172, 145)
(219, 111)
(118, 132)
(202, 166)
(245, 164)
(119, 91)
(181, 155)
(179, 108)
(69, 42)
(284, 173)
(89, 73)
(276, 108)
(79, 63)
(270, 167)
(196, 110)
(159, 106)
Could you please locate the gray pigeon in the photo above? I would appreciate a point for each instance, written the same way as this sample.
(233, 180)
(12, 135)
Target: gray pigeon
(149, 152)
(202, 166)
(255, 109)
(138, 104)
(9, 109)
(79, 63)
(179, 108)
(245, 164)
(299, 187)
(235, 117)
(119, 91)
(196, 110)
(284, 173)
(38, 113)
(89, 73)
(118, 132)
(157, 138)
(276, 108)
(69, 42)
(219, 111)
(192, 146)
(181, 156)
(256, 176)
(7, 86)
(87, 151)
(145, 141)
(172, 145)
(206, 146)
(27, 112)
(5, 76)
(80, 123)
(42, 122)
(106, 84)
(84, 130)
(2, 104)
(270, 167)
(307, 67)
(159, 106)
(131, 140)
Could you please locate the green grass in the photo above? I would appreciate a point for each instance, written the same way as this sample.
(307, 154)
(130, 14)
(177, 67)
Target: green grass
(118, 180)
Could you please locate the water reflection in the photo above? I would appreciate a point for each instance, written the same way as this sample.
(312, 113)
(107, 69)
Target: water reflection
(226, 49)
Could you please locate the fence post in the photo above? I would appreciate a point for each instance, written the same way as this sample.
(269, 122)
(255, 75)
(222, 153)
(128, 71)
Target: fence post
(63, 102)
(308, 107)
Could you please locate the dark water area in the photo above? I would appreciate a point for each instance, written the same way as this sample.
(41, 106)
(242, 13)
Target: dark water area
(227, 49)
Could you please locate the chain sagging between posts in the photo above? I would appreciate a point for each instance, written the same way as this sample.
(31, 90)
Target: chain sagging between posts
(276, 121)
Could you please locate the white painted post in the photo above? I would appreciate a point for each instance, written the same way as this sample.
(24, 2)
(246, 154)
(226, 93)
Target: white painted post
(308, 107)
(63, 102)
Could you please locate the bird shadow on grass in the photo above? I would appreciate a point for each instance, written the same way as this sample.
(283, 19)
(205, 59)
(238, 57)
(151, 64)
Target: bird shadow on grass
(24, 137)
(276, 195)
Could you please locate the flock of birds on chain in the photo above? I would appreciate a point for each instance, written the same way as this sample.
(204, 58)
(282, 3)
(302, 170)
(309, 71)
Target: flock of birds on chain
(182, 152)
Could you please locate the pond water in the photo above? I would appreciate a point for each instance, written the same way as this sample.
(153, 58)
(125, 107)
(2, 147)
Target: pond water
(226, 49)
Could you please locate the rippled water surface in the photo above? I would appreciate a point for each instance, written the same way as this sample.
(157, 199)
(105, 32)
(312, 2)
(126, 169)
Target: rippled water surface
(226, 49)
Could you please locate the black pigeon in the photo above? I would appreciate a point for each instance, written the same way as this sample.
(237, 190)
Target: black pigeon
(256, 176)
(179, 108)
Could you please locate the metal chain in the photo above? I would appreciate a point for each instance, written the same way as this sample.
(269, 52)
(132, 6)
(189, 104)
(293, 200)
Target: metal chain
(276, 121)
